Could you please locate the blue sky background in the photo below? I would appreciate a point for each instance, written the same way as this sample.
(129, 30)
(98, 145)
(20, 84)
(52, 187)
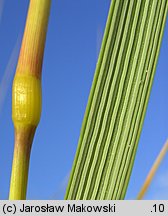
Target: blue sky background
(74, 36)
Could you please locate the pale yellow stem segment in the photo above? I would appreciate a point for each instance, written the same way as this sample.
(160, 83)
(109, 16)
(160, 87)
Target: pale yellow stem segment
(23, 142)
(26, 94)
(153, 171)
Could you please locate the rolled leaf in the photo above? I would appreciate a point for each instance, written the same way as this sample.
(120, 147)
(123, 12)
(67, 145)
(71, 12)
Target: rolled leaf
(118, 100)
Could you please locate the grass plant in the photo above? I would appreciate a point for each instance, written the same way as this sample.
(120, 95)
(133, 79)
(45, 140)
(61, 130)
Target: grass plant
(26, 95)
